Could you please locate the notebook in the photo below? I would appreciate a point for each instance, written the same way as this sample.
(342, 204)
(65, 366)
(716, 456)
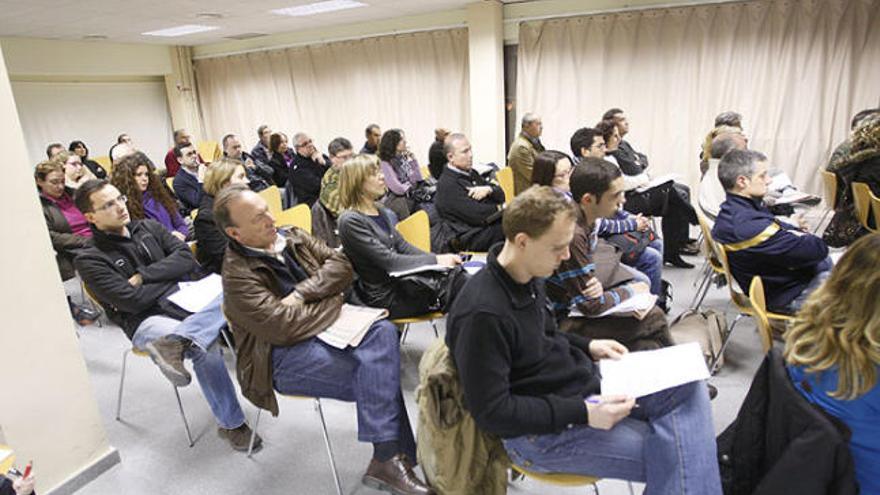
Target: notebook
(351, 326)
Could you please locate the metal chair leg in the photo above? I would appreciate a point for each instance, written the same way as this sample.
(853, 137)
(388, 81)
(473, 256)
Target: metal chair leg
(183, 416)
(403, 334)
(329, 449)
(254, 433)
(726, 340)
(121, 383)
(436, 333)
(229, 345)
(704, 281)
(631, 491)
(595, 488)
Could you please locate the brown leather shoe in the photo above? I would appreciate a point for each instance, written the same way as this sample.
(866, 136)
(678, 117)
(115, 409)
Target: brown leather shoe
(167, 353)
(396, 476)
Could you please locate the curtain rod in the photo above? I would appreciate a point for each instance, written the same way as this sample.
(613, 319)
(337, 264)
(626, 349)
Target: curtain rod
(333, 40)
(620, 10)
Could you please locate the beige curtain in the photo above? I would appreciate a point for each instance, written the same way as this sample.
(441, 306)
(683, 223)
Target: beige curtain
(415, 82)
(796, 69)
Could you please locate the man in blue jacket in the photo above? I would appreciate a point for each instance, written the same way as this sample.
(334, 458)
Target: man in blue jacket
(791, 262)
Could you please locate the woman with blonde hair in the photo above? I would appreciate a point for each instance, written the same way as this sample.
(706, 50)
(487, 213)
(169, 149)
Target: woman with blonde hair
(211, 242)
(375, 248)
(148, 197)
(833, 353)
(75, 173)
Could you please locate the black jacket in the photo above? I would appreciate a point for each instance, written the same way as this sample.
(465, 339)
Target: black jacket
(454, 204)
(305, 178)
(95, 168)
(161, 259)
(211, 243)
(64, 241)
(631, 162)
(519, 373)
(188, 190)
(375, 253)
(780, 443)
(280, 171)
(436, 159)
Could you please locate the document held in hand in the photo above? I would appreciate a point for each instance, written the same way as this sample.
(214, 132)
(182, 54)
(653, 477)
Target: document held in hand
(351, 326)
(638, 374)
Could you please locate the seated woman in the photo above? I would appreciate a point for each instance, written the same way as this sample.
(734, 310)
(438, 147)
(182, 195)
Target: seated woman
(136, 178)
(402, 174)
(664, 200)
(833, 353)
(68, 228)
(74, 173)
(79, 148)
(553, 168)
(374, 246)
(211, 242)
(280, 161)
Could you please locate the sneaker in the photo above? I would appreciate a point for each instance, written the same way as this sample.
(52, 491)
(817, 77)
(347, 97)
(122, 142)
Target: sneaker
(167, 353)
(240, 438)
(85, 316)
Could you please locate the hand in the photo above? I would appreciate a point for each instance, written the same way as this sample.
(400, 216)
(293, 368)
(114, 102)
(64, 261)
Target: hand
(802, 222)
(609, 410)
(318, 157)
(449, 260)
(479, 192)
(23, 486)
(179, 236)
(639, 288)
(136, 280)
(606, 348)
(249, 163)
(293, 299)
(642, 223)
(594, 288)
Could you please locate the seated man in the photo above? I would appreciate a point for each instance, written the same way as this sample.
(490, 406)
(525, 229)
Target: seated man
(325, 211)
(188, 181)
(586, 143)
(791, 262)
(131, 269)
(308, 168)
(725, 123)
(535, 387)
(281, 290)
(259, 174)
(466, 201)
(172, 161)
(597, 190)
(711, 192)
(670, 200)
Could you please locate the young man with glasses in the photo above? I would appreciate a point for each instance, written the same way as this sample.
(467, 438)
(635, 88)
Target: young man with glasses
(188, 181)
(132, 268)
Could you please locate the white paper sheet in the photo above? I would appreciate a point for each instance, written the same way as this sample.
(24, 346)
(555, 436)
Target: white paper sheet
(194, 296)
(638, 374)
(637, 302)
(656, 181)
(420, 269)
(351, 326)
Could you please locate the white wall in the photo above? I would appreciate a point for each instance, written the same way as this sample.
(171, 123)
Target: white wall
(91, 91)
(48, 410)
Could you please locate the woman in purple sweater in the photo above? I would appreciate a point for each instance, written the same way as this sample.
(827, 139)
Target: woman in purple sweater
(135, 176)
(402, 173)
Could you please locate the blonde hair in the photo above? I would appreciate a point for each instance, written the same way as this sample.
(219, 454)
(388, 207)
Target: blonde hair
(219, 174)
(839, 326)
(352, 176)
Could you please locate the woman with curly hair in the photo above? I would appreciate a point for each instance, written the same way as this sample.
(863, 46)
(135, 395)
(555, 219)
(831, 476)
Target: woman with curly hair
(402, 173)
(136, 178)
(833, 353)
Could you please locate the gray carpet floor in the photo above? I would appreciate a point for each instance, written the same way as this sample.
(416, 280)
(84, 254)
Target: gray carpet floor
(156, 458)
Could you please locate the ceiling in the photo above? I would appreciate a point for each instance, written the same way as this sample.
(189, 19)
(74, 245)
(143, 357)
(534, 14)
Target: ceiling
(124, 21)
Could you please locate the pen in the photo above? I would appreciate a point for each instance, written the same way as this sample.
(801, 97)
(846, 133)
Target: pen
(27, 469)
(597, 401)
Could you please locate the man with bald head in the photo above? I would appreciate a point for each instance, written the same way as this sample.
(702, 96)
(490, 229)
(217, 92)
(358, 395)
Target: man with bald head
(467, 202)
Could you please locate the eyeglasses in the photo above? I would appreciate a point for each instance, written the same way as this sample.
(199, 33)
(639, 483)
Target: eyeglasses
(122, 199)
(304, 144)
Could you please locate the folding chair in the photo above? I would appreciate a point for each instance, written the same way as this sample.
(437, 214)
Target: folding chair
(272, 196)
(742, 304)
(759, 304)
(563, 479)
(505, 180)
(209, 150)
(712, 269)
(323, 431)
(864, 199)
(298, 216)
(829, 188)
(416, 230)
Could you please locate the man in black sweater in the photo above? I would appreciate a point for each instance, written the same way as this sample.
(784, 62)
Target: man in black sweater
(132, 269)
(308, 168)
(537, 388)
(466, 201)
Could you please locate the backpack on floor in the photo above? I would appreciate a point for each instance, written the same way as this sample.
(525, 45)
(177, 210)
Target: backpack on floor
(704, 327)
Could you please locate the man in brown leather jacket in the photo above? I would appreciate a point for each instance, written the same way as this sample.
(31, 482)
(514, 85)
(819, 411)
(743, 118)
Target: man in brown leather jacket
(282, 289)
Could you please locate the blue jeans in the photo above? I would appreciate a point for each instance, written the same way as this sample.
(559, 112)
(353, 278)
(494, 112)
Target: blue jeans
(651, 264)
(667, 442)
(202, 329)
(823, 271)
(368, 374)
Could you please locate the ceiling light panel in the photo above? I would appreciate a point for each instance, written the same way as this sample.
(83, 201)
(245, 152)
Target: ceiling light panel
(181, 30)
(319, 8)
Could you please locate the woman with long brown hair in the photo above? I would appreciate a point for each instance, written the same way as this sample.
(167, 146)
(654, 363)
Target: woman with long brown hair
(833, 353)
(136, 178)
